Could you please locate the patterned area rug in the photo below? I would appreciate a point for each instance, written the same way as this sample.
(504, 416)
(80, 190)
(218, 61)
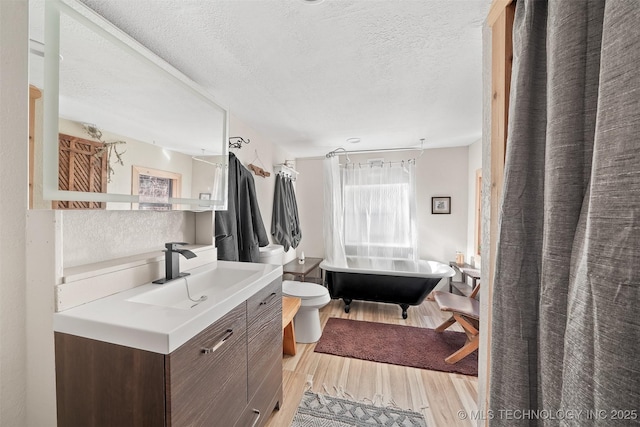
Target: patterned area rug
(396, 344)
(317, 410)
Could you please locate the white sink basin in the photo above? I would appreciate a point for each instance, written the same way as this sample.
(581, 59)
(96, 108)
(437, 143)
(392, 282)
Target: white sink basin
(160, 318)
(202, 286)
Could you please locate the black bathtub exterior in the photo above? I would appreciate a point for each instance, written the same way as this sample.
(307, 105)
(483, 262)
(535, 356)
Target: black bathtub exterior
(401, 290)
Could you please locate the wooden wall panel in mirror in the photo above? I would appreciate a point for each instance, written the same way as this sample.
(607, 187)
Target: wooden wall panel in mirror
(109, 106)
(81, 167)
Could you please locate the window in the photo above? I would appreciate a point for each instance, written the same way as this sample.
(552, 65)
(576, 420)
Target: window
(378, 219)
(155, 188)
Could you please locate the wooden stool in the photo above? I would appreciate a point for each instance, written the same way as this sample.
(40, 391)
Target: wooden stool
(290, 306)
(465, 311)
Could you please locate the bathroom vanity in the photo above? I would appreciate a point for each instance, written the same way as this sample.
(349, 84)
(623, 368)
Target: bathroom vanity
(144, 357)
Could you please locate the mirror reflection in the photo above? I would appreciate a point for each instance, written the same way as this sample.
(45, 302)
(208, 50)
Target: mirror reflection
(116, 127)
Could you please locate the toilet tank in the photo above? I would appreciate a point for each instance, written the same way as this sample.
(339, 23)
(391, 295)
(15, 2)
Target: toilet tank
(271, 254)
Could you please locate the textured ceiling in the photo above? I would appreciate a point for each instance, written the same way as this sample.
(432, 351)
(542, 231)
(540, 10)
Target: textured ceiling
(309, 76)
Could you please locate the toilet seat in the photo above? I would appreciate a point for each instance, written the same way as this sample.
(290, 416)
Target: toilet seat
(303, 290)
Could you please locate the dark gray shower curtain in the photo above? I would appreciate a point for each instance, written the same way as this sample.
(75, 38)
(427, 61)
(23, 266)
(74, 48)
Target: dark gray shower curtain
(566, 298)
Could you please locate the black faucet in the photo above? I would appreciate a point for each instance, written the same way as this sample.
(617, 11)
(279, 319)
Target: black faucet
(172, 261)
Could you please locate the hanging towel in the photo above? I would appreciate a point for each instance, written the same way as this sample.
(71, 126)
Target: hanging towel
(280, 229)
(239, 231)
(285, 224)
(296, 233)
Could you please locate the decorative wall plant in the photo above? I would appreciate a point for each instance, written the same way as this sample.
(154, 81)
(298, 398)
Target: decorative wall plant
(110, 148)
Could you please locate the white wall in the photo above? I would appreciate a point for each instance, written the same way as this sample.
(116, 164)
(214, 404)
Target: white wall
(44, 249)
(13, 204)
(268, 155)
(475, 163)
(310, 198)
(440, 172)
(93, 236)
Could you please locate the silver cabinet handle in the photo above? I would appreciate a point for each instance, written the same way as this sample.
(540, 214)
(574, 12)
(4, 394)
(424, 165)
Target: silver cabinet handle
(209, 350)
(255, 411)
(269, 298)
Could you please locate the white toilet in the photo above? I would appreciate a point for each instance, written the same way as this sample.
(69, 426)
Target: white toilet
(313, 296)
(307, 321)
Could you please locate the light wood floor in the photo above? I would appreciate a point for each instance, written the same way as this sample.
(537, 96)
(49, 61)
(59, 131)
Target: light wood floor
(437, 395)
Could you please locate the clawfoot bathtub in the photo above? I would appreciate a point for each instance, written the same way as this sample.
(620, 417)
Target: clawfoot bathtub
(405, 283)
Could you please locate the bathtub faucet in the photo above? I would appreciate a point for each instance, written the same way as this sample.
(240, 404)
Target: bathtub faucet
(172, 261)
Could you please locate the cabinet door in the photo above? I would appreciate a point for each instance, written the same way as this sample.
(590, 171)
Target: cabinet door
(206, 377)
(103, 384)
(264, 329)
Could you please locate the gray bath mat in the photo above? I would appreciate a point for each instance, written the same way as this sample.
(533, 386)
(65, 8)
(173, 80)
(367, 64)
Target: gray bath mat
(317, 410)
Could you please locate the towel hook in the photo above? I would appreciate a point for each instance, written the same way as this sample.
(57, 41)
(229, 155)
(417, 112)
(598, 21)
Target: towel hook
(238, 143)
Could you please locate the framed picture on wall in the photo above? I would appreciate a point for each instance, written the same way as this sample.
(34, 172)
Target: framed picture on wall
(441, 205)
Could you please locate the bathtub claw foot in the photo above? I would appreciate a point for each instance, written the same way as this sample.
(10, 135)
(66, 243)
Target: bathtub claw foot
(404, 307)
(347, 304)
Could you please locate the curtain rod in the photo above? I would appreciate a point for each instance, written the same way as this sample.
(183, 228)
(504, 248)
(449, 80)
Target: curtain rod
(218, 165)
(341, 151)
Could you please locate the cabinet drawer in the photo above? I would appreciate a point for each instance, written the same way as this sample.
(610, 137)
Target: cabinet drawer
(266, 303)
(264, 401)
(205, 376)
(264, 329)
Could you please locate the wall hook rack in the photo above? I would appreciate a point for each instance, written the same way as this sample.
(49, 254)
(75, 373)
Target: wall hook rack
(238, 142)
(286, 170)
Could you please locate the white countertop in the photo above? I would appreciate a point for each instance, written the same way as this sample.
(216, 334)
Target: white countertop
(162, 329)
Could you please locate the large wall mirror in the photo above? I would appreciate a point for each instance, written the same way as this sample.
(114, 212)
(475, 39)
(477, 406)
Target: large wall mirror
(112, 125)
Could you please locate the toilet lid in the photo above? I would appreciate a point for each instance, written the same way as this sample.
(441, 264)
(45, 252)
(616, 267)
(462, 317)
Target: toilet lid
(303, 290)
(271, 250)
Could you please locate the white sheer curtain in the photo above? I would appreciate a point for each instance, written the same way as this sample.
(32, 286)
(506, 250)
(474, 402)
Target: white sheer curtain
(373, 207)
(333, 214)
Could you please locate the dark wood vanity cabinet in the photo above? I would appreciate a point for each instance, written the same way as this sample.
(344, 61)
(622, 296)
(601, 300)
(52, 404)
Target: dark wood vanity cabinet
(229, 374)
